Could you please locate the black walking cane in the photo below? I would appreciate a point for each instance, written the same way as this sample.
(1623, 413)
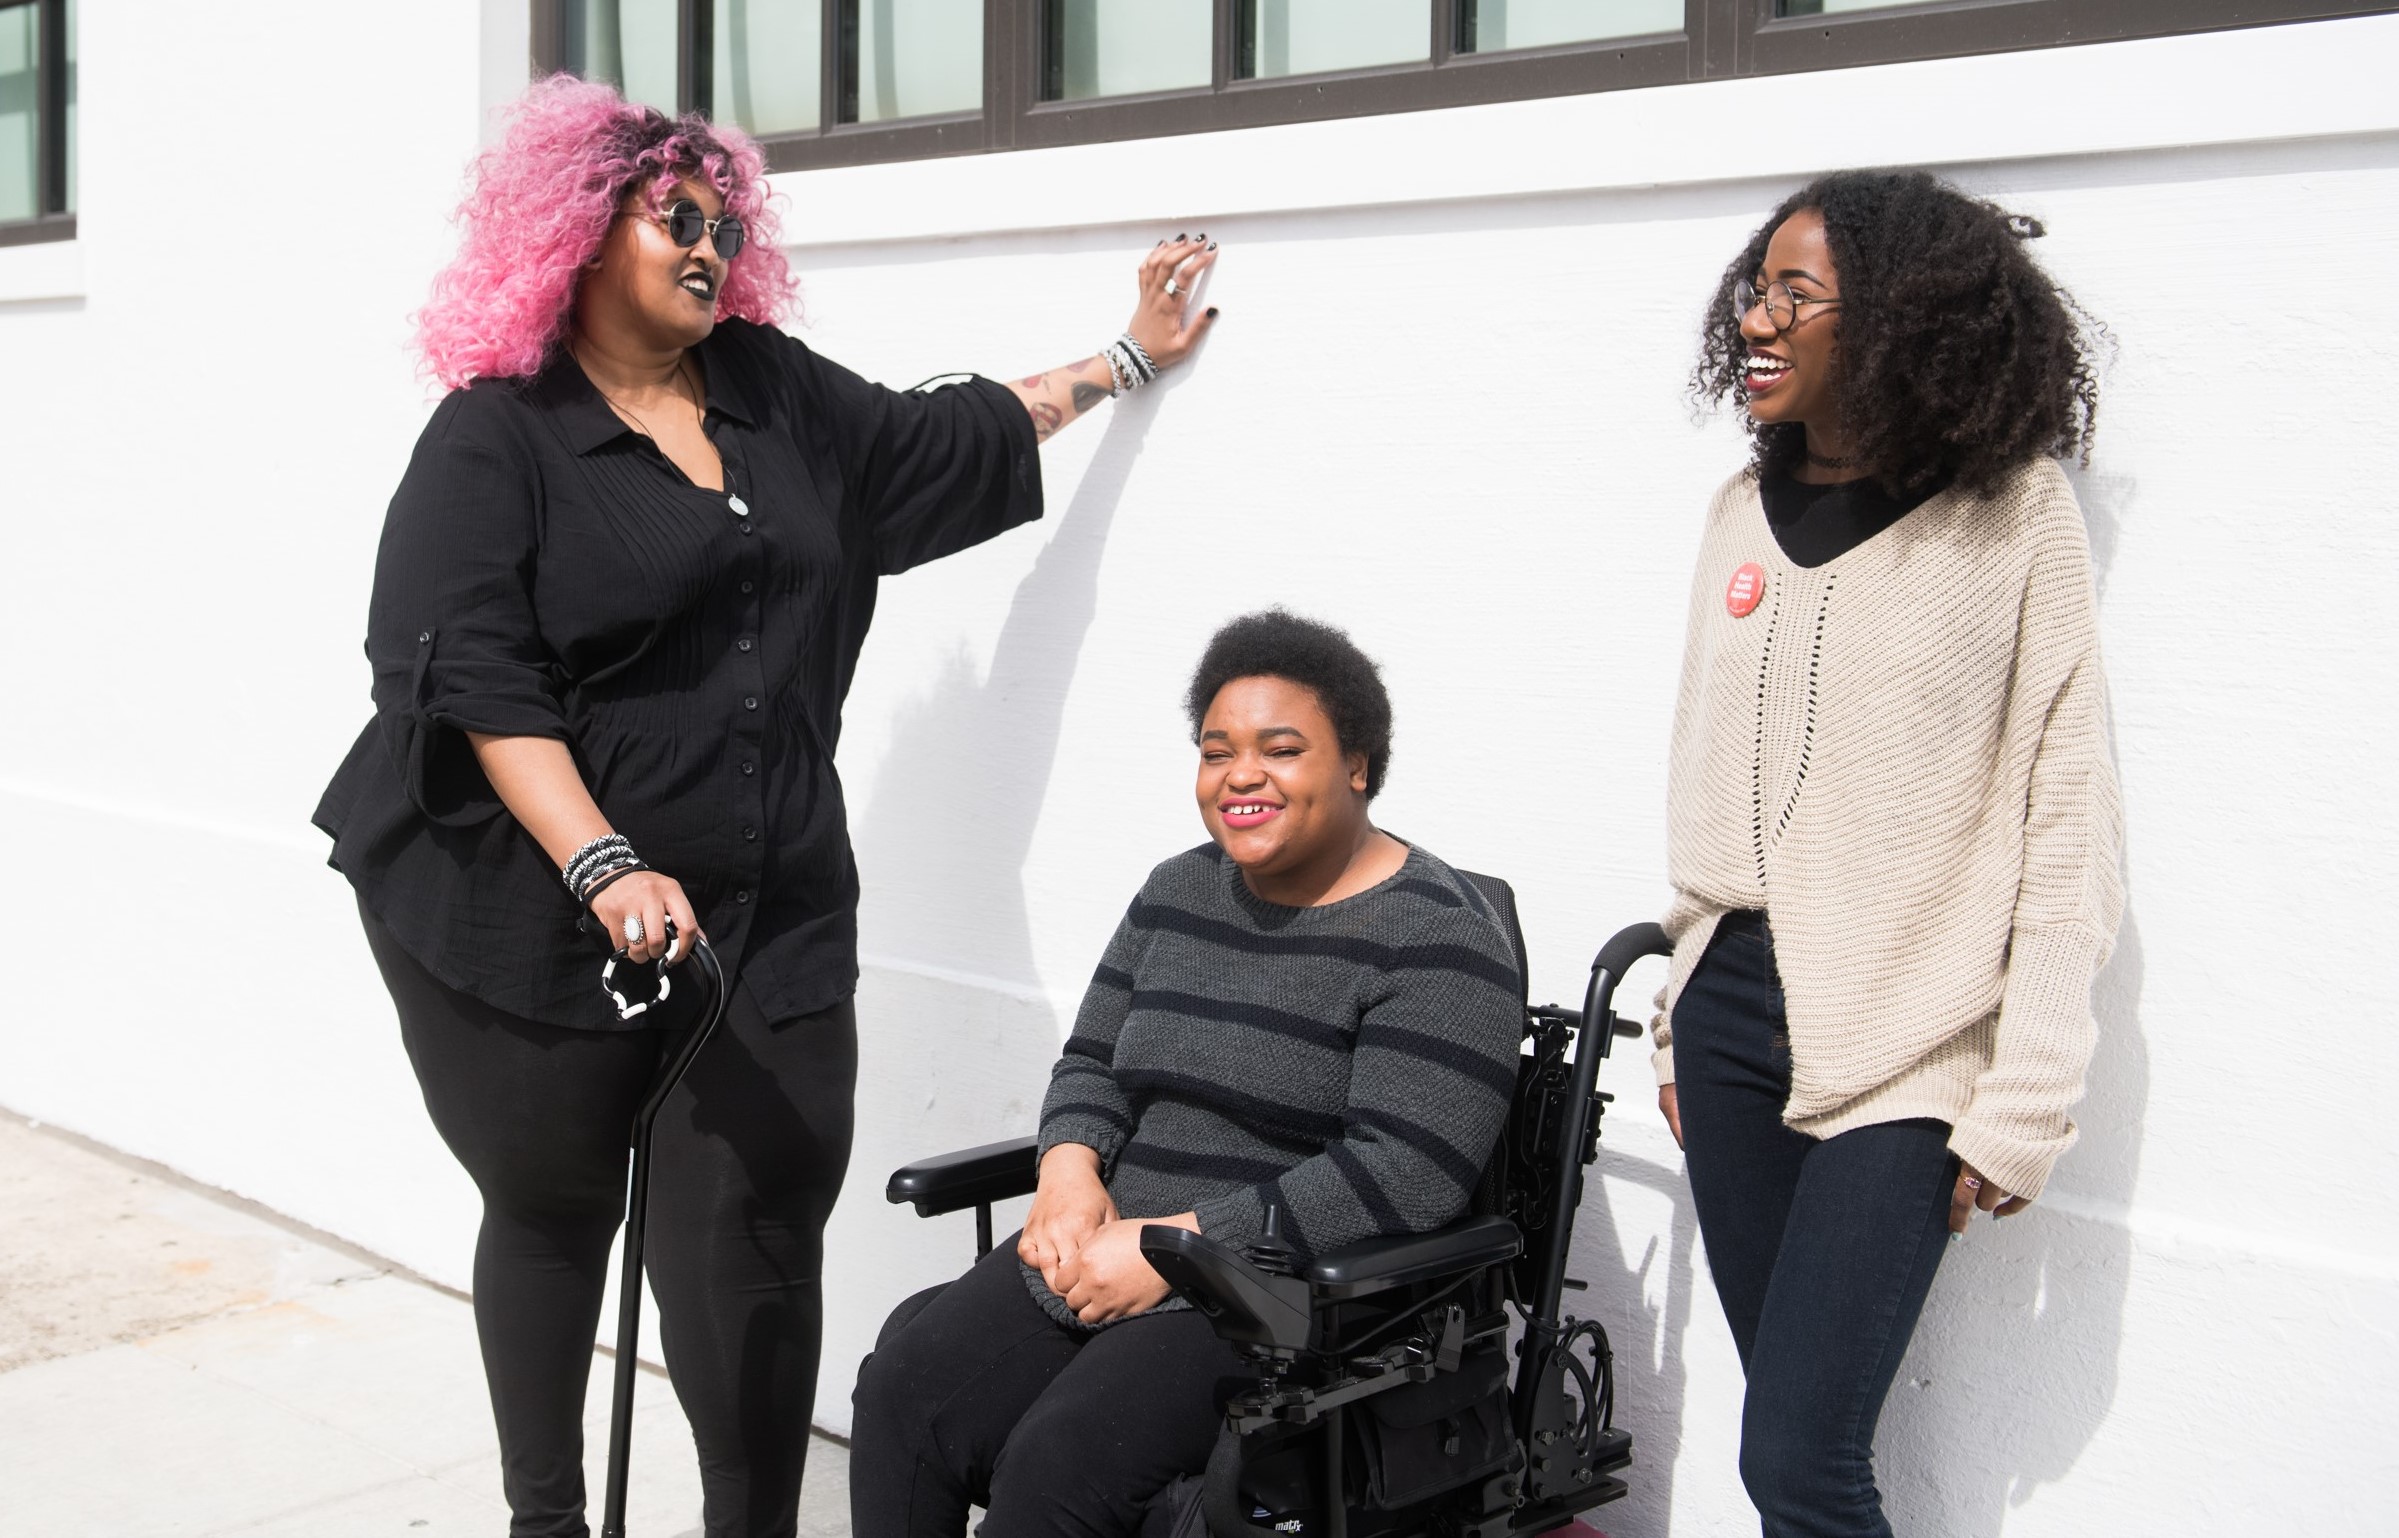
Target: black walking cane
(637, 1199)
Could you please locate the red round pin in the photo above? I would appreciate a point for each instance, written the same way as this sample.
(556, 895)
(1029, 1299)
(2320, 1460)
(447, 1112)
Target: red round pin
(1742, 593)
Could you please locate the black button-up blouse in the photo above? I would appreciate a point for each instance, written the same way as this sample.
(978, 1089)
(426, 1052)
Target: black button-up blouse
(546, 571)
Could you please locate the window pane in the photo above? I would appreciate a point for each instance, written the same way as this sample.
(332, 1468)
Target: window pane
(1835, 7)
(628, 43)
(20, 112)
(1118, 47)
(910, 58)
(1502, 24)
(769, 70)
(1301, 37)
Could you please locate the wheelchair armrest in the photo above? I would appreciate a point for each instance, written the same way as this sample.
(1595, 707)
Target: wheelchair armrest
(1395, 1260)
(970, 1177)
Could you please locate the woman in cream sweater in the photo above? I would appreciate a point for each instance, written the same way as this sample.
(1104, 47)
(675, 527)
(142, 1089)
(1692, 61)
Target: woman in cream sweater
(1893, 818)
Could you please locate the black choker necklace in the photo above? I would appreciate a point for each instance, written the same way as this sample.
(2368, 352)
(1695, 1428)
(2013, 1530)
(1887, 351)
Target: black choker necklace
(1828, 461)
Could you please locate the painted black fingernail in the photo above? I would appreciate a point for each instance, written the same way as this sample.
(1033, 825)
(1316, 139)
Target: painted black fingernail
(1182, 237)
(1211, 245)
(1202, 235)
(1211, 312)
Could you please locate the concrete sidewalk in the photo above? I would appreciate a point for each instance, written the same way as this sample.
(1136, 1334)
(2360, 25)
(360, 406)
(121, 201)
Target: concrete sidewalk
(175, 1362)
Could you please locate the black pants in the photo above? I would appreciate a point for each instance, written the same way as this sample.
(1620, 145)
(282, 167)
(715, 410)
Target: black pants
(975, 1397)
(749, 1155)
(1822, 1251)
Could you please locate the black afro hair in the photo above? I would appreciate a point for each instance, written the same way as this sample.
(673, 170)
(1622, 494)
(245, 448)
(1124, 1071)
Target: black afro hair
(1275, 643)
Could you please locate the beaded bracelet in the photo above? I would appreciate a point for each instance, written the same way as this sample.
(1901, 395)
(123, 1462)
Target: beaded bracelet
(604, 842)
(1129, 364)
(608, 848)
(578, 876)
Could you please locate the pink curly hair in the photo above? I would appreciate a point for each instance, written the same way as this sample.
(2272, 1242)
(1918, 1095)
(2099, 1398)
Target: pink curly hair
(542, 201)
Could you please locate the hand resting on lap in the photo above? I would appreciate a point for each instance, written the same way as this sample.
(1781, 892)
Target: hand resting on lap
(1069, 1205)
(1108, 1278)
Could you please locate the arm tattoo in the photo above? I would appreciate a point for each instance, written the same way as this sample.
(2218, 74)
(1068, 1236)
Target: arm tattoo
(1035, 381)
(1047, 418)
(1087, 395)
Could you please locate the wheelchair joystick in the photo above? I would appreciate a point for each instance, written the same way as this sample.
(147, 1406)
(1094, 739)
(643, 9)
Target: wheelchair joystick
(1270, 1252)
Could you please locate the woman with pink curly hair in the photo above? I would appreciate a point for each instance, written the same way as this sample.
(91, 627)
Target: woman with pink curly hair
(620, 596)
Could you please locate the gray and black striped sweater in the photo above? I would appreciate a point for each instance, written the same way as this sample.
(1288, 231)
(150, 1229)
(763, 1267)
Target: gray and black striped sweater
(1351, 1063)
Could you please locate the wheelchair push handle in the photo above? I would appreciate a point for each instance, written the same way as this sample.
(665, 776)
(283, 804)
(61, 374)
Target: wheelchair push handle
(1633, 943)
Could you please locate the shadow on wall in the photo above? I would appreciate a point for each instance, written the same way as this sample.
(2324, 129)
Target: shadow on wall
(1647, 1337)
(954, 862)
(2015, 1366)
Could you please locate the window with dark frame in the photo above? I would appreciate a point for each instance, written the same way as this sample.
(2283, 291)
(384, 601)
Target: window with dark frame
(849, 82)
(37, 121)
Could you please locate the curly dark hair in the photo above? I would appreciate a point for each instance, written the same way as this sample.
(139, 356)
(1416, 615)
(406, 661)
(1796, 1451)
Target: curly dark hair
(1275, 643)
(1958, 357)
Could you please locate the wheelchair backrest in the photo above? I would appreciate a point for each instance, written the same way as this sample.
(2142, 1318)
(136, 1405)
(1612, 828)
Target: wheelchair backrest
(1502, 898)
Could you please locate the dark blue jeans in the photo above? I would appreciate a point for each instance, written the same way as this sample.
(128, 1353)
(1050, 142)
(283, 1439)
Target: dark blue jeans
(1822, 1250)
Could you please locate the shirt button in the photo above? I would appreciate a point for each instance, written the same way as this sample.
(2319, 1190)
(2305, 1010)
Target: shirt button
(749, 587)
(750, 834)
(749, 702)
(743, 644)
(748, 529)
(748, 768)
(742, 896)
(424, 637)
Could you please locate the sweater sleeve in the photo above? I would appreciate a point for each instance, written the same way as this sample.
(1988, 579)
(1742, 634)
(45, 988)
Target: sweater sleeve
(1085, 1104)
(1430, 1079)
(2071, 894)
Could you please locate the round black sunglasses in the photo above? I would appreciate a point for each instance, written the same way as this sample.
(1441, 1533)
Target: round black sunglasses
(685, 224)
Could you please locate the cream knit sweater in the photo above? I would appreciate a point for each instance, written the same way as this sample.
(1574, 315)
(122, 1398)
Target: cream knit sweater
(1902, 757)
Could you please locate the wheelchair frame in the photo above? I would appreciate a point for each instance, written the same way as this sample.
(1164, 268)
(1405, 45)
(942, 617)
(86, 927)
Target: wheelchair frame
(1422, 1302)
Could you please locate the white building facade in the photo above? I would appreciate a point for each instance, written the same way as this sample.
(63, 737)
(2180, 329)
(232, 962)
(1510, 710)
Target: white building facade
(1445, 407)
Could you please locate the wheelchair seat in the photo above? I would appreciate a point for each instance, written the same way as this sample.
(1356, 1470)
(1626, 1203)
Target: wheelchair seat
(1385, 1404)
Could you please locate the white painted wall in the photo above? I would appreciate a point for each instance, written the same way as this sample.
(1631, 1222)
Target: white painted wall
(1444, 409)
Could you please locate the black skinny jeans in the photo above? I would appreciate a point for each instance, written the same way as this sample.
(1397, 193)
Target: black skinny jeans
(748, 1157)
(1822, 1251)
(975, 1397)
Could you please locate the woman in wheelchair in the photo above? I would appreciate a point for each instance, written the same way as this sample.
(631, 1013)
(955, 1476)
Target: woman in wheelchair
(1304, 1014)
(1893, 822)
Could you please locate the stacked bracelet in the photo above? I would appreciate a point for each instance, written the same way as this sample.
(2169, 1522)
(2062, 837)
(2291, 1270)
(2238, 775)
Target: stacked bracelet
(1129, 363)
(597, 864)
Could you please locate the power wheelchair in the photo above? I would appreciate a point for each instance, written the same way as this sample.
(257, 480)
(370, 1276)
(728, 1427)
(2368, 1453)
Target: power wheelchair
(1385, 1406)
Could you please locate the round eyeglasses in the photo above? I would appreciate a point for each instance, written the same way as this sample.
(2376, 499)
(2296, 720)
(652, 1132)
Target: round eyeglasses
(1782, 305)
(685, 224)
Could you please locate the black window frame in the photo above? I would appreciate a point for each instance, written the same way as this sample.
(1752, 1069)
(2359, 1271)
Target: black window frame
(1719, 39)
(53, 219)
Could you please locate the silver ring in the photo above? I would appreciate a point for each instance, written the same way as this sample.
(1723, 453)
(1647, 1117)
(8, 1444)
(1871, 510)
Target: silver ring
(1172, 288)
(1973, 1184)
(633, 929)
